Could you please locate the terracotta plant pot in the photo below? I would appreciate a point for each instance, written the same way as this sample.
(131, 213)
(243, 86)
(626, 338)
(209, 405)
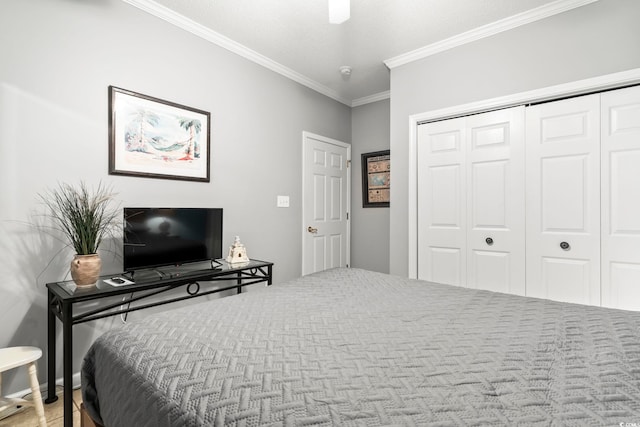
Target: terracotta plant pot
(85, 269)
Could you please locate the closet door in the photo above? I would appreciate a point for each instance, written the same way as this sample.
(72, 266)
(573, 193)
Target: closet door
(621, 199)
(563, 200)
(471, 201)
(495, 201)
(441, 202)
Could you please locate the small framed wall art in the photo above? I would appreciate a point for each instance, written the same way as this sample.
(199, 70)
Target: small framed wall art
(154, 138)
(376, 174)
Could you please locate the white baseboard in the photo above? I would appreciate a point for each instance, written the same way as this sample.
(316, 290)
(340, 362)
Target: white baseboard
(75, 381)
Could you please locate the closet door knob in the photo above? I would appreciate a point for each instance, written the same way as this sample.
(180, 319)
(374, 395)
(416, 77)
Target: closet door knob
(489, 241)
(312, 230)
(565, 246)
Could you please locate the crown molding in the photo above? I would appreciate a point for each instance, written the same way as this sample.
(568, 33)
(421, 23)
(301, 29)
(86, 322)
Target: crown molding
(488, 30)
(371, 98)
(170, 16)
(208, 34)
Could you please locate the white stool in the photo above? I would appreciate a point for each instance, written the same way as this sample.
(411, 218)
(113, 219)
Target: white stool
(14, 357)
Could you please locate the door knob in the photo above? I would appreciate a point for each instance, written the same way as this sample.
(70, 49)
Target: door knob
(310, 229)
(489, 241)
(565, 246)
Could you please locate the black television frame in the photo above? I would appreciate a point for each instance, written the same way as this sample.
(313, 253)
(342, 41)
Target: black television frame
(129, 267)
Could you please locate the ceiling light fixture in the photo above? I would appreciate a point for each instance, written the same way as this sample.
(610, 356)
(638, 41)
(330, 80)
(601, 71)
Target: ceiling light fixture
(339, 11)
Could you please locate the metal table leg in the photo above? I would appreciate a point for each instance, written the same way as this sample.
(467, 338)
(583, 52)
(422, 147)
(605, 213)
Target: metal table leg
(67, 338)
(51, 350)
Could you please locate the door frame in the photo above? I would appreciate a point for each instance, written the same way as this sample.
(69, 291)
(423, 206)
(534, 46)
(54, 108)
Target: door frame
(306, 136)
(580, 87)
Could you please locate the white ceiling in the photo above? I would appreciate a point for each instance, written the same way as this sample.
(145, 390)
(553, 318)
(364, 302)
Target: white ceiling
(294, 37)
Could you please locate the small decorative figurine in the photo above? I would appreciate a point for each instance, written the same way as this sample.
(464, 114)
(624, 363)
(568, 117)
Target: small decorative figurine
(237, 252)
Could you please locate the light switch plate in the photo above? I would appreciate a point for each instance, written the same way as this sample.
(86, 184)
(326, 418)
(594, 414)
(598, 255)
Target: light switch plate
(282, 202)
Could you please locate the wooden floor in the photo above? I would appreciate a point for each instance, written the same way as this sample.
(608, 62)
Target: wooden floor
(53, 412)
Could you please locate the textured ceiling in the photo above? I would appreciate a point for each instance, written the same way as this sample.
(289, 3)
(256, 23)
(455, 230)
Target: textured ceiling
(297, 33)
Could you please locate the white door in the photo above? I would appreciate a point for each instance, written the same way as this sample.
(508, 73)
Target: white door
(471, 201)
(325, 203)
(442, 240)
(563, 199)
(495, 201)
(621, 199)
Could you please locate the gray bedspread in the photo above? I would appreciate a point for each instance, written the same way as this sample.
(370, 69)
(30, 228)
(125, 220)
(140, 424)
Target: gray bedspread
(356, 348)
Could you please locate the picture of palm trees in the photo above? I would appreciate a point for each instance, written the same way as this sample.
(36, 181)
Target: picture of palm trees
(152, 137)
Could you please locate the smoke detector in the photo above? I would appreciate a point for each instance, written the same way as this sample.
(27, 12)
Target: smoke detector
(345, 70)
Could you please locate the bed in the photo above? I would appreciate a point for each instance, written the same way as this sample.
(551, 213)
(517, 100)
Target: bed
(358, 348)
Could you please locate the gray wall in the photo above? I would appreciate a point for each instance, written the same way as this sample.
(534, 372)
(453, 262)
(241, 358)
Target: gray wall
(369, 226)
(57, 59)
(593, 40)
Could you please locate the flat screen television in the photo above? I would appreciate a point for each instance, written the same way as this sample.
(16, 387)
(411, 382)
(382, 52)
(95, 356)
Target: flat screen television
(156, 237)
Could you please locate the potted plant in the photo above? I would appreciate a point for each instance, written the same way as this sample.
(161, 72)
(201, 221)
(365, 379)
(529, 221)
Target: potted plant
(85, 217)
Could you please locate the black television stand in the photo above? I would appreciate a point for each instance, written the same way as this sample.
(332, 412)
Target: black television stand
(174, 271)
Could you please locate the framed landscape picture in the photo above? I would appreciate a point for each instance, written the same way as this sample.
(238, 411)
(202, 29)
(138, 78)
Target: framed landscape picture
(376, 174)
(154, 138)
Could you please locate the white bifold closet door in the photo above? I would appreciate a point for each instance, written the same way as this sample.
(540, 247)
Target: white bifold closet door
(471, 214)
(442, 195)
(621, 198)
(563, 199)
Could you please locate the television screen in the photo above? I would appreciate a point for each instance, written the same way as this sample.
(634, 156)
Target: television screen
(155, 237)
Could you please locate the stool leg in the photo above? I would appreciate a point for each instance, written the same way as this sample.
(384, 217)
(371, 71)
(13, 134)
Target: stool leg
(35, 391)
